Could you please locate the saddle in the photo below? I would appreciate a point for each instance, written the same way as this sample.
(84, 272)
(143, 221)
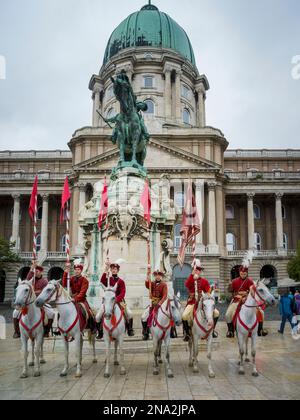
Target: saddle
(86, 316)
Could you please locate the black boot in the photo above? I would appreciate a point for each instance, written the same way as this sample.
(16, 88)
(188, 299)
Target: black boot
(129, 326)
(16, 328)
(215, 334)
(186, 331)
(230, 332)
(261, 332)
(173, 332)
(99, 327)
(145, 331)
(47, 328)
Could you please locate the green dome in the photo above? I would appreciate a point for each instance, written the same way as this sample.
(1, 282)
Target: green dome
(149, 28)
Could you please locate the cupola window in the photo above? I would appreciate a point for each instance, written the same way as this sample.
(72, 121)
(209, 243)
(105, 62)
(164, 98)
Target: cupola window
(186, 116)
(150, 105)
(148, 82)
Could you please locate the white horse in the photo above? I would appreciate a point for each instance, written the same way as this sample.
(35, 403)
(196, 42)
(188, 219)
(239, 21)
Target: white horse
(203, 327)
(247, 324)
(113, 328)
(31, 326)
(69, 324)
(164, 317)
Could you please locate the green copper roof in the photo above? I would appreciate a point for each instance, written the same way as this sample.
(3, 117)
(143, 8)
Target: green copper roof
(149, 28)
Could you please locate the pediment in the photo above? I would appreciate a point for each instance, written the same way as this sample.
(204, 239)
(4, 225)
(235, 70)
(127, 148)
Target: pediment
(159, 156)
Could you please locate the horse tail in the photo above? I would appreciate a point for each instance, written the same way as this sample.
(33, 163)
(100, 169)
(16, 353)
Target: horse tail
(90, 337)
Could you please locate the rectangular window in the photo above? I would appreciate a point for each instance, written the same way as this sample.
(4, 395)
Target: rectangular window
(148, 82)
(185, 92)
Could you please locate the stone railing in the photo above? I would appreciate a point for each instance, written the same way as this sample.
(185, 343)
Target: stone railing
(262, 153)
(21, 176)
(264, 253)
(36, 154)
(258, 176)
(50, 255)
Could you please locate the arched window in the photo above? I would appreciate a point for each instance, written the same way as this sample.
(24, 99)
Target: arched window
(40, 213)
(151, 107)
(111, 113)
(63, 245)
(177, 237)
(186, 116)
(285, 241)
(256, 210)
(283, 209)
(230, 242)
(38, 242)
(257, 241)
(229, 212)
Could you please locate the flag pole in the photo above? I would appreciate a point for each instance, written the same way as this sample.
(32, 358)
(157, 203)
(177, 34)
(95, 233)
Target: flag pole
(149, 262)
(194, 239)
(34, 239)
(68, 243)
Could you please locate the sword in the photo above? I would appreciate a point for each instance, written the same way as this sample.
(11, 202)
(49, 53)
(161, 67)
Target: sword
(104, 119)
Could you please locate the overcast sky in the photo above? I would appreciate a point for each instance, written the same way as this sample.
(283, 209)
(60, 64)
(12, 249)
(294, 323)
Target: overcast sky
(245, 48)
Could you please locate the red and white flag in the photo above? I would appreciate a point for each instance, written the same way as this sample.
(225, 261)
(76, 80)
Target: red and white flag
(146, 203)
(190, 226)
(66, 195)
(103, 206)
(33, 200)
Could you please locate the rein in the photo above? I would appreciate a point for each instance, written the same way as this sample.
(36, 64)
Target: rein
(259, 304)
(207, 332)
(169, 316)
(114, 327)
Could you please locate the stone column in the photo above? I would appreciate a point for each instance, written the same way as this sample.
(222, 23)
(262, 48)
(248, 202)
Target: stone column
(250, 197)
(44, 232)
(200, 207)
(16, 221)
(200, 89)
(220, 206)
(279, 224)
(97, 121)
(212, 231)
(168, 93)
(178, 96)
(80, 237)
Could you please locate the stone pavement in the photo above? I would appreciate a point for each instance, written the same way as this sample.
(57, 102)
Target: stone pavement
(278, 362)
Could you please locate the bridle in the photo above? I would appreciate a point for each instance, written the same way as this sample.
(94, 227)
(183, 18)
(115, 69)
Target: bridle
(203, 314)
(27, 303)
(118, 322)
(168, 314)
(262, 300)
(54, 303)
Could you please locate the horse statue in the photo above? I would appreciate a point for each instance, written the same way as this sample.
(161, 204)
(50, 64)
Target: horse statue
(130, 132)
(165, 316)
(69, 323)
(203, 327)
(31, 326)
(247, 323)
(113, 328)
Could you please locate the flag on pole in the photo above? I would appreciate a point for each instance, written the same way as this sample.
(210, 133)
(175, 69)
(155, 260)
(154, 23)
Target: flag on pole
(146, 203)
(66, 195)
(33, 200)
(103, 205)
(190, 226)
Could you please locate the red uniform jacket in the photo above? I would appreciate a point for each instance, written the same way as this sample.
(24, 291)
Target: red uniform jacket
(159, 292)
(121, 288)
(39, 284)
(240, 285)
(203, 286)
(78, 285)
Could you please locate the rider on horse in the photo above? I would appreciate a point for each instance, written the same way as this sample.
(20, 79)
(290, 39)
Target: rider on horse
(79, 286)
(120, 297)
(39, 283)
(240, 288)
(202, 286)
(159, 293)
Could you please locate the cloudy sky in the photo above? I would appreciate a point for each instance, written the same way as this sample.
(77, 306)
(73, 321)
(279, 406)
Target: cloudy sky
(245, 48)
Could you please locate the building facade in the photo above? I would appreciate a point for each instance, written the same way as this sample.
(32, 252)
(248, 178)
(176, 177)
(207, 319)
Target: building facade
(247, 199)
